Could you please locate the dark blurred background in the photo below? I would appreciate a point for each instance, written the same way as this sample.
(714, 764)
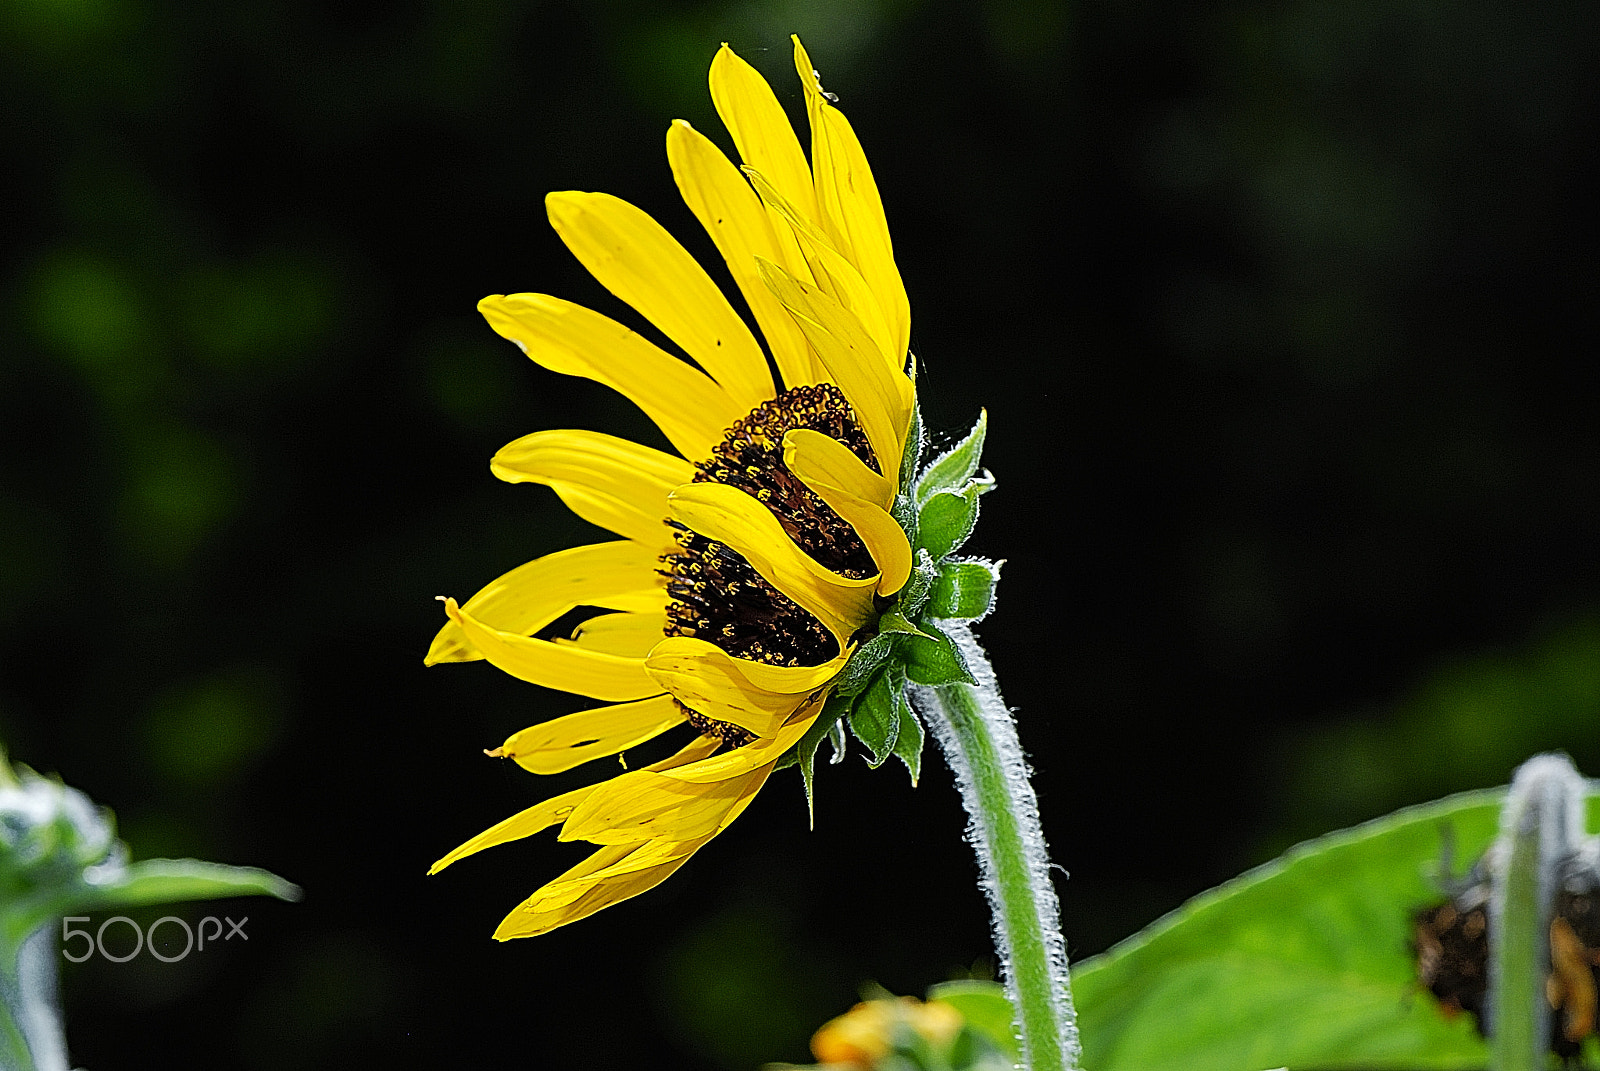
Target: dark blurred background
(1278, 309)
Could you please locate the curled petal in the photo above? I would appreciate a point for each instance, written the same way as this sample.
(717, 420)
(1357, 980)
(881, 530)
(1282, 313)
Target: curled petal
(729, 515)
(882, 534)
(813, 456)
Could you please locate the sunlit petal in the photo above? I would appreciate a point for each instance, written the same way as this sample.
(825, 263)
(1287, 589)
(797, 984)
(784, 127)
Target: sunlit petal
(619, 576)
(689, 407)
(564, 666)
(635, 258)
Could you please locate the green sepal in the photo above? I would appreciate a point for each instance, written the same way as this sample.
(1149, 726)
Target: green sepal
(804, 752)
(908, 742)
(936, 661)
(863, 664)
(913, 451)
(894, 623)
(964, 590)
(951, 469)
(875, 721)
(948, 517)
(904, 512)
(915, 594)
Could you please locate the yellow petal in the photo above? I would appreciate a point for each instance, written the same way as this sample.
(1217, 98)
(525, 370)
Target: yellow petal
(882, 398)
(644, 805)
(851, 210)
(569, 741)
(631, 635)
(760, 129)
(530, 920)
(835, 275)
(565, 666)
(751, 695)
(729, 515)
(635, 258)
(611, 482)
(737, 222)
(523, 824)
(619, 576)
(811, 455)
(690, 408)
(741, 760)
(884, 538)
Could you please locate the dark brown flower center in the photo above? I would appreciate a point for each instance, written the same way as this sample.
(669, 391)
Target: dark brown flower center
(717, 596)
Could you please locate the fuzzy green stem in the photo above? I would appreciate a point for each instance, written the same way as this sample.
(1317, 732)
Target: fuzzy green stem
(1540, 828)
(979, 739)
(30, 1021)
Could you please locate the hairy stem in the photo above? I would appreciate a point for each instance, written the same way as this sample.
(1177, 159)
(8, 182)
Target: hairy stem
(979, 740)
(1540, 828)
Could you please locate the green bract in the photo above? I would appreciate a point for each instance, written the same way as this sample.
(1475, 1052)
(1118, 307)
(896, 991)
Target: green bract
(937, 507)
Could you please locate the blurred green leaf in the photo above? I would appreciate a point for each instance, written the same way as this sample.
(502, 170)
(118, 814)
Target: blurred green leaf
(1305, 961)
(985, 1008)
(169, 881)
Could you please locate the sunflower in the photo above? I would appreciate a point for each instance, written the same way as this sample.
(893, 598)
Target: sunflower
(753, 564)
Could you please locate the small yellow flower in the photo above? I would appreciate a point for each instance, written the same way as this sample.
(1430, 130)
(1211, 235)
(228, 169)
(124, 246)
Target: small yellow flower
(751, 563)
(868, 1032)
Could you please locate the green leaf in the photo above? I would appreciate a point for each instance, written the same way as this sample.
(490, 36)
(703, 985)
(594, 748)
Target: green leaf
(948, 519)
(858, 672)
(985, 1008)
(170, 881)
(935, 661)
(1303, 962)
(908, 744)
(964, 590)
(875, 720)
(915, 594)
(951, 469)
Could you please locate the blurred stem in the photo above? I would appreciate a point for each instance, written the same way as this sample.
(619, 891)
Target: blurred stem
(979, 740)
(30, 1021)
(1540, 827)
